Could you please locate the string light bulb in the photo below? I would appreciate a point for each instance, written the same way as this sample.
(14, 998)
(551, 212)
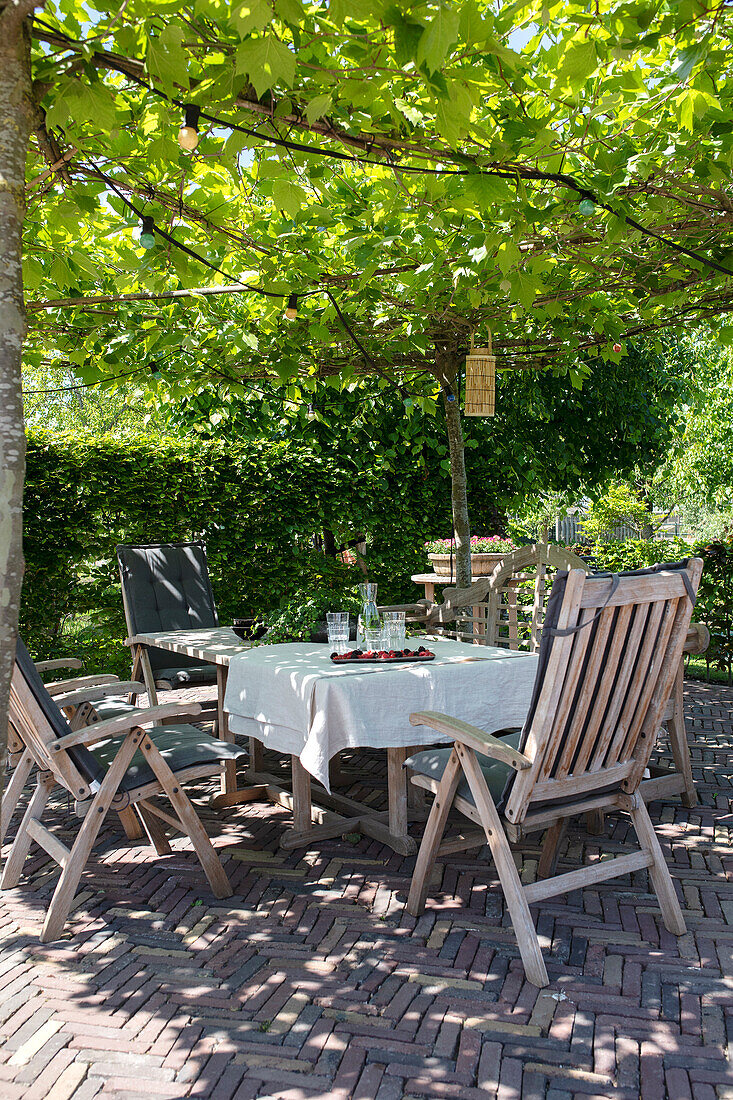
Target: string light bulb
(147, 233)
(154, 370)
(587, 207)
(188, 135)
(291, 311)
(311, 414)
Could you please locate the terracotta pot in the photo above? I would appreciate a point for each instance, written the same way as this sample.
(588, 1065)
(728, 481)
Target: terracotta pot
(481, 564)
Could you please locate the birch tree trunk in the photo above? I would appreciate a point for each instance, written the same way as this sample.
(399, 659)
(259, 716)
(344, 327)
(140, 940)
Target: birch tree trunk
(16, 118)
(447, 374)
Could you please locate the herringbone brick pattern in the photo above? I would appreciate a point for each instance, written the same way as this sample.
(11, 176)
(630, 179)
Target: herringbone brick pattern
(313, 982)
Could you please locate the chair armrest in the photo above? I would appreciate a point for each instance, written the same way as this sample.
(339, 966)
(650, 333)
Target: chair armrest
(62, 662)
(99, 731)
(90, 694)
(472, 736)
(414, 612)
(58, 687)
(698, 638)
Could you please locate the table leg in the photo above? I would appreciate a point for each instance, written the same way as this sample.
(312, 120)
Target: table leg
(229, 775)
(142, 657)
(388, 828)
(302, 817)
(397, 791)
(256, 755)
(430, 591)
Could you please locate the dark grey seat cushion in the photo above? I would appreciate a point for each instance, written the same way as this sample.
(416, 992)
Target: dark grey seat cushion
(180, 746)
(181, 676)
(167, 587)
(432, 763)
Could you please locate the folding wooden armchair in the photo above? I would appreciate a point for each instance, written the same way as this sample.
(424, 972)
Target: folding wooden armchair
(110, 765)
(508, 609)
(83, 700)
(166, 586)
(610, 651)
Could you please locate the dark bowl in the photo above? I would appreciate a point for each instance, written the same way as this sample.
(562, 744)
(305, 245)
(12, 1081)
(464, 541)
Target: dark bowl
(249, 630)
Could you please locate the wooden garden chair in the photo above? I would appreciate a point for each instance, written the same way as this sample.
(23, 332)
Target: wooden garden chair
(109, 765)
(166, 586)
(609, 654)
(83, 700)
(508, 609)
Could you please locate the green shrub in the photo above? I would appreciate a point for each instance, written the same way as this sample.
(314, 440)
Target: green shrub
(258, 507)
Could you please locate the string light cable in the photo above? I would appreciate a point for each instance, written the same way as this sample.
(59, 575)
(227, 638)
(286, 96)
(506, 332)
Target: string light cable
(87, 385)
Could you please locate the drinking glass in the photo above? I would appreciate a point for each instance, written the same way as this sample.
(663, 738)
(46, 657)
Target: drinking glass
(337, 623)
(394, 630)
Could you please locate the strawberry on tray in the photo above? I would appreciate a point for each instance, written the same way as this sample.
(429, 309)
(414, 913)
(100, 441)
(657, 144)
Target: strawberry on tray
(383, 656)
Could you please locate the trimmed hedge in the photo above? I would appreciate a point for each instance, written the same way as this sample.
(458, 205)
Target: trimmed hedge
(714, 605)
(257, 507)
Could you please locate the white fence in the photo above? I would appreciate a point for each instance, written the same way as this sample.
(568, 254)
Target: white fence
(569, 530)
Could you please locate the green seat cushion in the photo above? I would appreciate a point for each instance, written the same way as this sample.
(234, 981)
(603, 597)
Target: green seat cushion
(432, 763)
(181, 747)
(112, 706)
(180, 677)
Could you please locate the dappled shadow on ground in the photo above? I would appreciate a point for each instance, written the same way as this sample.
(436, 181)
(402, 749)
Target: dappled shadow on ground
(312, 981)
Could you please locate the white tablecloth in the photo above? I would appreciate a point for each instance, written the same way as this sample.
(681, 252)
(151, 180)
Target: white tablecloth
(294, 699)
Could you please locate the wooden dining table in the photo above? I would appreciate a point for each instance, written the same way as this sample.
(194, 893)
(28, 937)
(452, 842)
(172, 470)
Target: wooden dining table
(319, 813)
(295, 700)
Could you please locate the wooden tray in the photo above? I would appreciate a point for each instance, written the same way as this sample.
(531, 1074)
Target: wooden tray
(337, 660)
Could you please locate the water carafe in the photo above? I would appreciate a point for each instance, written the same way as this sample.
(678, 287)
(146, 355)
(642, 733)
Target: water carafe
(369, 628)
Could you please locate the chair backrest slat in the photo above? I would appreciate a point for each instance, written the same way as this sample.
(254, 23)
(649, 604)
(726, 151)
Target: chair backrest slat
(608, 658)
(639, 691)
(632, 623)
(563, 743)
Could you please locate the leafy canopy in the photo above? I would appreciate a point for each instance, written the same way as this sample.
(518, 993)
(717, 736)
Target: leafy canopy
(425, 163)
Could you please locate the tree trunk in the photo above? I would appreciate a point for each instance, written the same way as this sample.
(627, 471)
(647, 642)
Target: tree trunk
(447, 374)
(17, 113)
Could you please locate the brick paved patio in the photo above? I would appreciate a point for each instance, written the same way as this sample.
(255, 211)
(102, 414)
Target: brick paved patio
(312, 982)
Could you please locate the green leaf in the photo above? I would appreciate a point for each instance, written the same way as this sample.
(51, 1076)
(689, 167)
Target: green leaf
(167, 61)
(290, 11)
(578, 63)
(266, 61)
(437, 38)
(407, 35)
(318, 107)
(288, 196)
(254, 15)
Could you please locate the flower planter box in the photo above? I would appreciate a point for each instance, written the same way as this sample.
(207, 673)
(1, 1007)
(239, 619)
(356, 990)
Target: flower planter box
(481, 564)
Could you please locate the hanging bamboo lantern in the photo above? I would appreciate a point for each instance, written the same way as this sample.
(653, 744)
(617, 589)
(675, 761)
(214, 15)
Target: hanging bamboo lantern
(480, 381)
